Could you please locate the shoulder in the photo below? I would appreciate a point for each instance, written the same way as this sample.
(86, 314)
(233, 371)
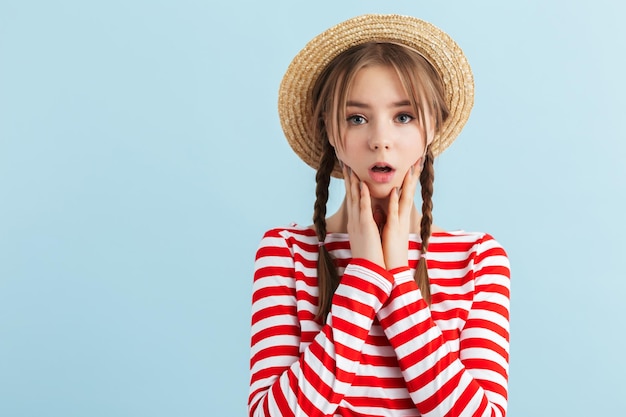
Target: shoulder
(287, 237)
(289, 233)
(479, 257)
(463, 238)
(279, 251)
(474, 246)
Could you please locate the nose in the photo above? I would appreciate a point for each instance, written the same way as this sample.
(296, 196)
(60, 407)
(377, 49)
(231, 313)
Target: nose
(380, 136)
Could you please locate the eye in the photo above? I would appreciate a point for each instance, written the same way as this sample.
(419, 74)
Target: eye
(356, 119)
(404, 118)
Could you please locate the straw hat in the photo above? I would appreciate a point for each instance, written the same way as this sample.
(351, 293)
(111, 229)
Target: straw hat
(295, 106)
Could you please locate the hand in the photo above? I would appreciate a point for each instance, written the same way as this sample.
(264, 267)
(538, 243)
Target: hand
(395, 234)
(362, 230)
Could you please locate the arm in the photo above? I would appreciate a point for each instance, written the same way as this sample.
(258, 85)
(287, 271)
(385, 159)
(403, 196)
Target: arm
(441, 382)
(285, 382)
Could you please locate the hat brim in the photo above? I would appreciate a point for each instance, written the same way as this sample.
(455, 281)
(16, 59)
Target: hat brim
(295, 93)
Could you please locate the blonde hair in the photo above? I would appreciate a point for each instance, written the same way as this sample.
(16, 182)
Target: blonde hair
(330, 93)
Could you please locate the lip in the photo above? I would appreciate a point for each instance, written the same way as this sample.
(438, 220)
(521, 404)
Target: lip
(379, 176)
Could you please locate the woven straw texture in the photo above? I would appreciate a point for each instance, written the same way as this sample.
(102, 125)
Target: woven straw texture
(295, 93)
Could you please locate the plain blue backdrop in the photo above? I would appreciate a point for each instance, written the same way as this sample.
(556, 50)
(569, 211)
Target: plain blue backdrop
(141, 160)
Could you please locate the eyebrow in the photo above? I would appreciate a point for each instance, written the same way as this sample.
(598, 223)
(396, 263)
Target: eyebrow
(358, 104)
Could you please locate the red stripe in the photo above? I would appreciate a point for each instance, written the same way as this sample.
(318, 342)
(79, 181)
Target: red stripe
(274, 331)
(489, 325)
(271, 312)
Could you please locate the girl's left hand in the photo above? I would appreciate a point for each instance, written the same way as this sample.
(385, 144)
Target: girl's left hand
(395, 236)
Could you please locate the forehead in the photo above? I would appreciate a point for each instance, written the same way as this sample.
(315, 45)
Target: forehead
(375, 83)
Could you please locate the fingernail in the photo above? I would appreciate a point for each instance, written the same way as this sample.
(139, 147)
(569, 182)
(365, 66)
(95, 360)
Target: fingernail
(398, 191)
(360, 185)
(412, 169)
(349, 171)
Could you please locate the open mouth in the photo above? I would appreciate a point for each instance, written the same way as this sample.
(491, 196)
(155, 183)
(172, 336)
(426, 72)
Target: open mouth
(381, 173)
(381, 168)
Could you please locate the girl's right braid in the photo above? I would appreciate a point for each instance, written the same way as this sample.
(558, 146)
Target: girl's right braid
(328, 278)
(427, 177)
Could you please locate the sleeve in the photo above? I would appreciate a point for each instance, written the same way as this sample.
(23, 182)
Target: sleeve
(441, 382)
(283, 380)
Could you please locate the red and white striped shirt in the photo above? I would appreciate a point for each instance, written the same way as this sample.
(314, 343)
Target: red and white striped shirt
(382, 351)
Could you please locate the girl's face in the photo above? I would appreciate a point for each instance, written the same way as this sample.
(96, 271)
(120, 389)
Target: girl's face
(381, 137)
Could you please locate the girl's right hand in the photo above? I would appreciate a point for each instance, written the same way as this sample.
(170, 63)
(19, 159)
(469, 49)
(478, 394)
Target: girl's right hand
(365, 242)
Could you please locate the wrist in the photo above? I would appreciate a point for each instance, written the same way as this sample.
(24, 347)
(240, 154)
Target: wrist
(396, 258)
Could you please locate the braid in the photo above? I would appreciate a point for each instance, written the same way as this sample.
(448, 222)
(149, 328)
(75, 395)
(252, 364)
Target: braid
(427, 177)
(327, 276)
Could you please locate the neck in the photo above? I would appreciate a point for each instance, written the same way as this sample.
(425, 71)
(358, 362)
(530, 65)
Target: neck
(338, 222)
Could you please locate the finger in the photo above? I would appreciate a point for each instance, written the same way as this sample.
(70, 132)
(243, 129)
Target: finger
(355, 190)
(392, 210)
(352, 188)
(365, 205)
(346, 182)
(409, 186)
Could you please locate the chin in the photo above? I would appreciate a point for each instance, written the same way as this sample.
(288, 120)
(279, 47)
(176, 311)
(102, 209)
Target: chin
(381, 191)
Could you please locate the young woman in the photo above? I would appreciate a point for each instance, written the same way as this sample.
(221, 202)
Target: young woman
(374, 311)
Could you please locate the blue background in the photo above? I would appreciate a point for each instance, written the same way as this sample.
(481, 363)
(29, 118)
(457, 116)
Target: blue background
(141, 160)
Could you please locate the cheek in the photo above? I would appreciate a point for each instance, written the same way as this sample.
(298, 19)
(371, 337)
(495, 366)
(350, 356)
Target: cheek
(347, 149)
(416, 144)
(344, 156)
